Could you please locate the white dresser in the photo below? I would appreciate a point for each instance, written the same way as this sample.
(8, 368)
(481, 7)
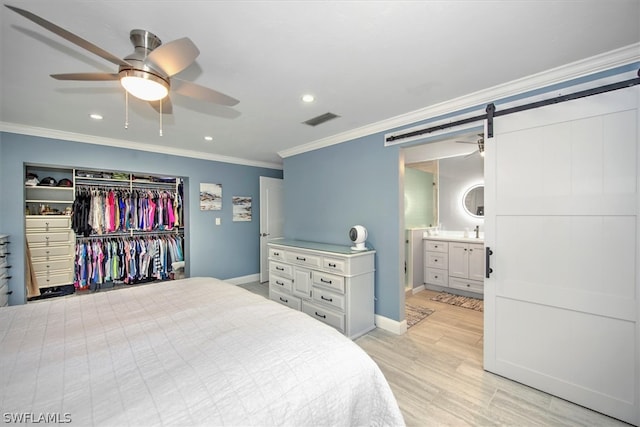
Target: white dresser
(454, 264)
(331, 283)
(4, 270)
(52, 246)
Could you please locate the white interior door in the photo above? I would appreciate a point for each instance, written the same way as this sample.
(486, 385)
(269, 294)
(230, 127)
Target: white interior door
(561, 306)
(271, 219)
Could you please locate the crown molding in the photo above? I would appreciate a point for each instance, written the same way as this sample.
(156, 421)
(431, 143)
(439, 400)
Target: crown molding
(119, 143)
(603, 62)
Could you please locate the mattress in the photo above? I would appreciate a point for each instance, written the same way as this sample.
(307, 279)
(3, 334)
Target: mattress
(196, 351)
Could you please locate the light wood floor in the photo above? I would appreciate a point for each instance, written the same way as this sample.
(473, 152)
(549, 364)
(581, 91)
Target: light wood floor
(435, 372)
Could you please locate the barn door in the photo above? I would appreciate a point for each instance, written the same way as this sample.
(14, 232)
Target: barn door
(561, 307)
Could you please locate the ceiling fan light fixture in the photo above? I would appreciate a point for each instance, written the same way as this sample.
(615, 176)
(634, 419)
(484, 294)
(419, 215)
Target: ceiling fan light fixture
(144, 85)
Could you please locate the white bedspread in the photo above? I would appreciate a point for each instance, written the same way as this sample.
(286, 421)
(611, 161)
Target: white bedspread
(196, 351)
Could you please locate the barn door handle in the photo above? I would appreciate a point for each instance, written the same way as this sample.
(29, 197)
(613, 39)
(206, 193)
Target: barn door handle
(487, 258)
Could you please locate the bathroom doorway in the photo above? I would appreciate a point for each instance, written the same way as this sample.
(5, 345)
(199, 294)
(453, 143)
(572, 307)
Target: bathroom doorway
(443, 186)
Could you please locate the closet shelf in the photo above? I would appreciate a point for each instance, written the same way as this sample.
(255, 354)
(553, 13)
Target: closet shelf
(47, 188)
(48, 201)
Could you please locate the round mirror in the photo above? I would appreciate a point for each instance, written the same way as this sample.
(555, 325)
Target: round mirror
(473, 200)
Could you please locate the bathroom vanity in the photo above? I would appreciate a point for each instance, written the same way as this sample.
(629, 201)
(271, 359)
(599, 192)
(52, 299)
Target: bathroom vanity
(454, 264)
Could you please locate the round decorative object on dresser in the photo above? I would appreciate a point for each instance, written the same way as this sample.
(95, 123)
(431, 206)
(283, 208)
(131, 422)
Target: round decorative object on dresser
(358, 235)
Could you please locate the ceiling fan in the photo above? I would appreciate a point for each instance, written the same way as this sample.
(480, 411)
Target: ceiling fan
(148, 72)
(479, 143)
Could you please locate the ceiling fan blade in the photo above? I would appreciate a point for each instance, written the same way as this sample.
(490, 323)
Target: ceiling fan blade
(167, 105)
(174, 56)
(69, 36)
(90, 77)
(196, 91)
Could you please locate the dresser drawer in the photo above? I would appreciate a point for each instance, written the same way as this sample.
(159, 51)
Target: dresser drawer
(46, 223)
(275, 253)
(436, 246)
(45, 252)
(44, 239)
(52, 264)
(302, 258)
(467, 285)
(54, 278)
(334, 264)
(436, 277)
(285, 299)
(324, 296)
(4, 296)
(436, 260)
(279, 268)
(327, 280)
(325, 315)
(4, 247)
(280, 283)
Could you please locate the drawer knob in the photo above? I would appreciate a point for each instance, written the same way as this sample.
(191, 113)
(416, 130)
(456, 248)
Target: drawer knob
(280, 268)
(325, 281)
(331, 264)
(299, 258)
(279, 283)
(284, 300)
(326, 299)
(324, 316)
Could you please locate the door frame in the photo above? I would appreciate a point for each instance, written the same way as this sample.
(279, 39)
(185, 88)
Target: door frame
(271, 219)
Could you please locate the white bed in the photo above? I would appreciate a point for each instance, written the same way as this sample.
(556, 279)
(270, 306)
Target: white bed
(196, 351)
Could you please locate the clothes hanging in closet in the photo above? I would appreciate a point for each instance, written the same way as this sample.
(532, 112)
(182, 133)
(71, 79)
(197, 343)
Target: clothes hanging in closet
(125, 260)
(103, 211)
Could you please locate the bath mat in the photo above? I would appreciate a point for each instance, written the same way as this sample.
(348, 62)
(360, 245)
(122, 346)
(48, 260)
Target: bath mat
(415, 314)
(460, 301)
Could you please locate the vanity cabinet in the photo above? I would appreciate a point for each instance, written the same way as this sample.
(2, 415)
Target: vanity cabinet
(331, 283)
(454, 264)
(436, 261)
(466, 268)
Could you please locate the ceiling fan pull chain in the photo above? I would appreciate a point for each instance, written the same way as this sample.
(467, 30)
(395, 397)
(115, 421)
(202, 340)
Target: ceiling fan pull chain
(160, 117)
(126, 109)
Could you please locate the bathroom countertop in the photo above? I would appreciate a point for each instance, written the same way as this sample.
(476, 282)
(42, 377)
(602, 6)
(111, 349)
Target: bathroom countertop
(455, 238)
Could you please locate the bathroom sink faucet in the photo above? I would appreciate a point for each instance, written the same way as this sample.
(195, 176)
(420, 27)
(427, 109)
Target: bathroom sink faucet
(477, 230)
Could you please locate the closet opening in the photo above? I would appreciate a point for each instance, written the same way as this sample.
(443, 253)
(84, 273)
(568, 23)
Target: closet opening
(93, 230)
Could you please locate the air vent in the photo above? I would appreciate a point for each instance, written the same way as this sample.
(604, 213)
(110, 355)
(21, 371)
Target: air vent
(320, 119)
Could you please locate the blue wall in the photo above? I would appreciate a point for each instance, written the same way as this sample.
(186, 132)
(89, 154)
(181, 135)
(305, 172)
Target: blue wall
(226, 251)
(359, 182)
(329, 190)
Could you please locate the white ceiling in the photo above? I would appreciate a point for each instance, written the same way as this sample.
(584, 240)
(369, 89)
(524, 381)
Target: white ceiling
(366, 61)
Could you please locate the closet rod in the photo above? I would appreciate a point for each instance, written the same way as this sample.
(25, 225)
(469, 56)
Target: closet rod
(491, 111)
(136, 233)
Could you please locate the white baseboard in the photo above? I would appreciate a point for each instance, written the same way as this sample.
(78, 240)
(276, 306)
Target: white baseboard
(391, 325)
(417, 289)
(244, 279)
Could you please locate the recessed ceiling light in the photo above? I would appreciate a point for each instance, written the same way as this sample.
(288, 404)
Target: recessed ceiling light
(308, 98)
(208, 138)
(95, 116)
